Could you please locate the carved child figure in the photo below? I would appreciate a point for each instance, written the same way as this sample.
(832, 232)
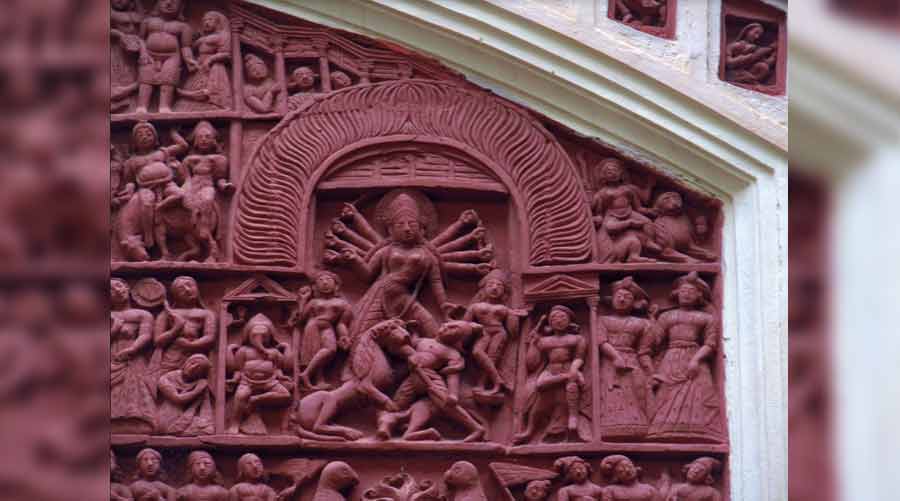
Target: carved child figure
(251, 479)
(623, 477)
(260, 90)
(327, 316)
(699, 476)
(498, 322)
(431, 360)
(257, 365)
(204, 481)
(463, 483)
(577, 476)
(556, 352)
(149, 463)
(676, 233)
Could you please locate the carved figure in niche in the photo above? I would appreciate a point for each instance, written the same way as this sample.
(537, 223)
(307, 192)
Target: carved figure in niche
(303, 79)
(400, 266)
(676, 233)
(185, 327)
(340, 80)
(167, 42)
(576, 473)
(640, 13)
(366, 376)
(130, 333)
(205, 171)
(209, 87)
(257, 380)
(556, 353)
(620, 216)
(403, 487)
(623, 478)
(425, 393)
(149, 485)
(747, 62)
(204, 480)
(687, 405)
(626, 345)
(252, 480)
(124, 23)
(699, 476)
(499, 322)
(463, 483)
(186, 408)
(336, 482)
(327, 316)
(117, 490)
(260, 90)
(149, 180)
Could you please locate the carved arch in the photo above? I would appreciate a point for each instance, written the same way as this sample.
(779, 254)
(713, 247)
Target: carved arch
(270, 222)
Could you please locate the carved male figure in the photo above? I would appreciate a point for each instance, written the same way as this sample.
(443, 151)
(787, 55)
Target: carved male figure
(431, 360)
(204, 481)
(623, 476)
(576, 473)
(130, 335)
(463, 483)
(556, 353)
(260, 90)
(167, 42)
(186, 407)
(149, 464)
(257, 365)
(699, 476)
(251, 479)
(620, 216)
(327, 316)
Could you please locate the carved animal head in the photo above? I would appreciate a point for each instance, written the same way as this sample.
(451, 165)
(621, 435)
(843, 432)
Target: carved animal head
(669, 203)
(461, 474)
(338, 476)
(457, 332)
(391, 334)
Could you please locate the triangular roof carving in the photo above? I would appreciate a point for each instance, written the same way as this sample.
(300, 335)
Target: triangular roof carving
(259, 288)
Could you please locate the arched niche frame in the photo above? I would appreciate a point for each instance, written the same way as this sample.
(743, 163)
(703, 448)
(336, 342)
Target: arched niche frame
(272, 218)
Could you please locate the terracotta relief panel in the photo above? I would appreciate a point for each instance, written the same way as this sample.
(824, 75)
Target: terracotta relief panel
(656, 17)
(754, 47)
(364, 255)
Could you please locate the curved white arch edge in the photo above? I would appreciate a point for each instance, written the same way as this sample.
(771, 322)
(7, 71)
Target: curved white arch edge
(601, 97)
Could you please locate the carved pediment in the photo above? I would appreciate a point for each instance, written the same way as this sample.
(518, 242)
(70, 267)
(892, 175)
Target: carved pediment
(559, 287)
(259, 288)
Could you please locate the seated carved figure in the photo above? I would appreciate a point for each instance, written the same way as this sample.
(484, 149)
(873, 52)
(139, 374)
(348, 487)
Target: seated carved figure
(623, 477)
(642, 13)
(425, 393)
(620, 216)
(576, 473)
(251, 480)
(676, 234)
(204, 481)
(258, 379)
(746, 61)
(699, 476)
(187, 407)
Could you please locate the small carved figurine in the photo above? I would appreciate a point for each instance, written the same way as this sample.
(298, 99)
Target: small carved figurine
(687, 403)
(257, 380)
(642, 14)
(746, 62)
(699, 476)
(260, 90)
(209, 87)
(186, 407)
(425, 393)
(167, 43)
(620, 216)
(626, 345)
(340, 80)
(676, 234)
(251, 480)
(204, 481)
(336, 481)
(327, 316)
(117, 490)
(367, 375)
(185, 327)
(131, 333)
(623, 478)
(576, 473)
(499, 322)
(303, 79)
(537, 490)
(463, 483)
(556, 354)
(148, 484)
(124, 23)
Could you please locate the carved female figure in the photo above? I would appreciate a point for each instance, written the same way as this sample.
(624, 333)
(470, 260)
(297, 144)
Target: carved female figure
(699, 476)
(498, 322)
(619, 215)
(204, 481)
(149, 484)
(130, 335)
(556, 353)
(577, 476)
(260, 90)
(185, 327)
(251, 479)
(210, 83)
(167, 42)
(117, 490)
(747, 62)
(626, 343)
(124, 22)
(403, 264)
(687, 404)
(327, 316)
(187, 408)
(623, 477)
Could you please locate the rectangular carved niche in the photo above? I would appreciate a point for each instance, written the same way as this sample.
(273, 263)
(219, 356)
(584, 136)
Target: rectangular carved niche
(656, 17)
(753, 52)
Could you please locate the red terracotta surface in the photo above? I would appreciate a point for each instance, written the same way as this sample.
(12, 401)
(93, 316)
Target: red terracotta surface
(656, 17)
(754, 46)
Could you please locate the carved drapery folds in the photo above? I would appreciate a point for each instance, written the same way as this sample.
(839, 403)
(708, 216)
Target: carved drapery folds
(364, 253)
